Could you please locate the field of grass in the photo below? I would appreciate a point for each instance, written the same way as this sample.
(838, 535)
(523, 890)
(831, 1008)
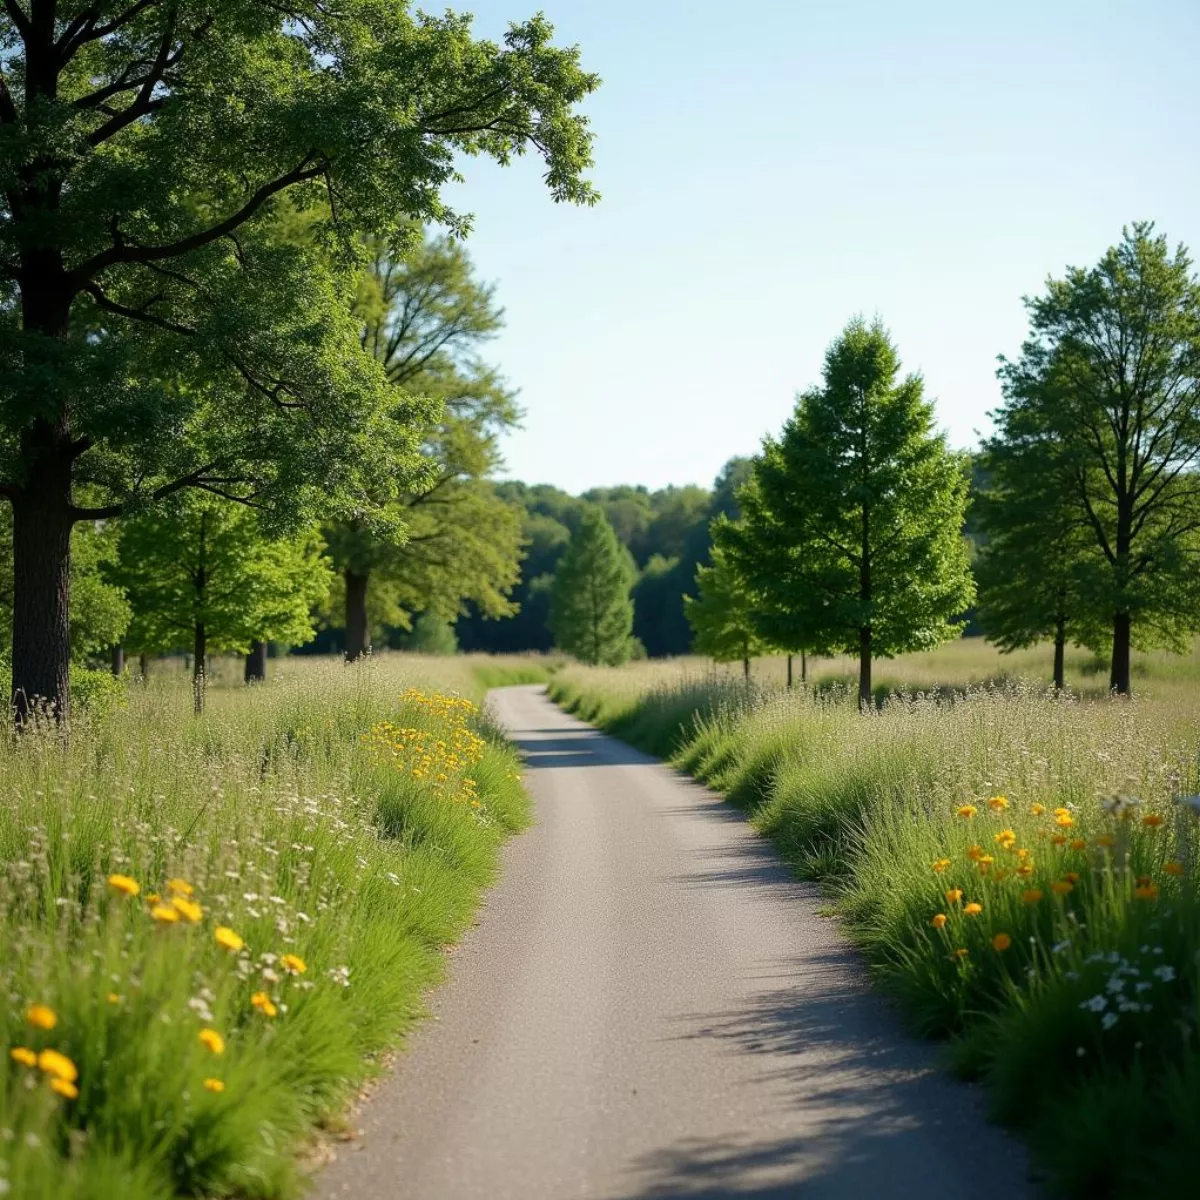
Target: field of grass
(1019, 868)
(213, 926)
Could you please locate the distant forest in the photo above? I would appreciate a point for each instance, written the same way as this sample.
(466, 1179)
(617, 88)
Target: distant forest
(665, 531)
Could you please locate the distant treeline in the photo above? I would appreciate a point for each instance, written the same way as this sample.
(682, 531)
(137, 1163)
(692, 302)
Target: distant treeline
(666, 532)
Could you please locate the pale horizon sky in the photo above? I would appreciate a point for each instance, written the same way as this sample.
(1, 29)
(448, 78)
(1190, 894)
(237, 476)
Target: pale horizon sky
(769, 170)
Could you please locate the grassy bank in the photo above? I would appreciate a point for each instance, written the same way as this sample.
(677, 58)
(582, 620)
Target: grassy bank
(212, 926)
(1018, 868)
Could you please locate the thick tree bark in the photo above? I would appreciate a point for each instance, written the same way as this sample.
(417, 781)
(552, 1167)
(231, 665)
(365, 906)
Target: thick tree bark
(357, 634)
(1060, 653)
(118, 660)
(865, 699)
(256, 663)
(1119, 681)
(199, 655)
(42, 521)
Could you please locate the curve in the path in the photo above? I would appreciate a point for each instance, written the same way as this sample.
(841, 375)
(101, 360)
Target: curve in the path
(650, 1006)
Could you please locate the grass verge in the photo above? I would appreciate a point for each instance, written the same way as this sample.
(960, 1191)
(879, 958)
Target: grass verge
(213, 926)
(1019, 868)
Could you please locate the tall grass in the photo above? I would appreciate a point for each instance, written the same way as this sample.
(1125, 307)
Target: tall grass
(335, 826)
(1073, 987)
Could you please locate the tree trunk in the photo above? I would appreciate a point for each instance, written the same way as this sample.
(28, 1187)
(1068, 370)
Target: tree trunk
(256, 663)
(803, 666)
(746, 669)
(144, 666)
(1120, 679)
(789, 670)
(42, 520)
(118, 660)
(865, 699)
(199, 655)
(357, 635)
(1060, 653)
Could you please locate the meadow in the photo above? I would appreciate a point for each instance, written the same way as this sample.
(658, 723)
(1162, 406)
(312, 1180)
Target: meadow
(1019, 868)
(215, 926)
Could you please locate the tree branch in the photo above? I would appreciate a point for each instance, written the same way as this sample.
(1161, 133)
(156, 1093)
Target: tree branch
(168, 489)
(136, 314)
(84, 29)
(17, 16)
(129, 253)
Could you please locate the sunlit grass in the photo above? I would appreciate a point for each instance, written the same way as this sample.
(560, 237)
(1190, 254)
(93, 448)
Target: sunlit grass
(1073, 986)
(341, 861)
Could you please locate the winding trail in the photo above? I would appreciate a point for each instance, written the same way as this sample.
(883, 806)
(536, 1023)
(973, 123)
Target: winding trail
(650, 1006)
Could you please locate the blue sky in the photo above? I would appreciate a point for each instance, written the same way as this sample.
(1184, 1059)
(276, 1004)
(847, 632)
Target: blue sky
(770, 169)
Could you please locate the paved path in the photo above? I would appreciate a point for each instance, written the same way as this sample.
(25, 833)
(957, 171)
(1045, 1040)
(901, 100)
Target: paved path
(651, 1007)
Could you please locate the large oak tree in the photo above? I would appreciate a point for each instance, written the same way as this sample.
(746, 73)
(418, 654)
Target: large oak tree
(156, 332)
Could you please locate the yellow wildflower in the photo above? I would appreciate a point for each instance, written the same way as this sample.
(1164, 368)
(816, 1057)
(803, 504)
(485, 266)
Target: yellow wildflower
(180, 887)
(1152, 820)
(1001, 941)
(227, 938)
(1025, 870)
(941, 865)
(1006, 839)
(954, 896)
(1173, 868)
(1064, 820)
(294, 964)
(153, 898)
(63, 1088)
(1062, 812)
(58, 1065)
(1061, 887)
(164, 913)
(188, 909)
(1031, 895)
(1058, 840)
(212, 1040)
(262, 1002)
(1037, 809)
(967, 811)
(961, 952)
(41, 1016)
(113, 998)
(23, 1055)
(938, 920)
(1148, 891)
(975, 853)
(1078, 843)
(973, 909)
(124, 884)
(1023, 853)
(998, 803)
(214, 1085)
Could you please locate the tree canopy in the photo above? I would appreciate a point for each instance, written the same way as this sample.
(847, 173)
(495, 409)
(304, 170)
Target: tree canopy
(158, 328)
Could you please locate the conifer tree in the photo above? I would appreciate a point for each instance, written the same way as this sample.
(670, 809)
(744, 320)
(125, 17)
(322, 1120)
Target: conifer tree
(851, 535)
(591, 614)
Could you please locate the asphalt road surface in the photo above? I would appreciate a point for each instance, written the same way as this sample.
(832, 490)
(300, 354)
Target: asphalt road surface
(650, 1006)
